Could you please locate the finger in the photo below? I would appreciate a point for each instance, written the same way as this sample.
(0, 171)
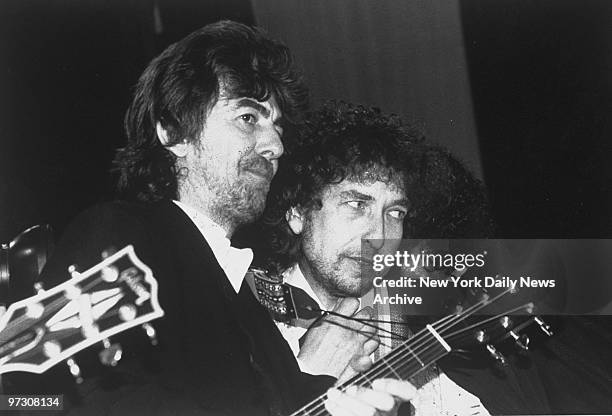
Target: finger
(345, 404)
(361, 363)
(377, 399)
(365, 313)
(335, 409)
(366, 328)
(371, 345)
(398, 388)
(346, 306)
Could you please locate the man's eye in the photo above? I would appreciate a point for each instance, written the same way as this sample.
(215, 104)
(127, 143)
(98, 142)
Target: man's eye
(248, 118)
(356, 204)
(398, 214)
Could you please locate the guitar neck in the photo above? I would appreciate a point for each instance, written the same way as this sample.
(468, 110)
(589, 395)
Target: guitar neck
(403, 362)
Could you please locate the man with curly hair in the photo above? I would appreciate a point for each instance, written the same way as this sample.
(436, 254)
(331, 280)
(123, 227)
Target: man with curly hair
(205, 131)
(344, 195)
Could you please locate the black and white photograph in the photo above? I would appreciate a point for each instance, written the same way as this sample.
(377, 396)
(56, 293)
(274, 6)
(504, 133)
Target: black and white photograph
(306, 207)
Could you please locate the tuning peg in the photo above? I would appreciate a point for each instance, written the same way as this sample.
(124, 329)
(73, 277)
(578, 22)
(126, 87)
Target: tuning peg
(75, 370)
(111, 354)
(544, 326)
(151, 333)
(53, 348)
(505, 322)
(38, 287)
(109, 273)
(522, 341)
(481, 336)
(497, 356)
(73, 269)
(108, 252)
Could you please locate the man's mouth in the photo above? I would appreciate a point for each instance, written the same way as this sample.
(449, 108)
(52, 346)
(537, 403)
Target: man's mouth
(263, 174)
(261, 168)
(364, 261)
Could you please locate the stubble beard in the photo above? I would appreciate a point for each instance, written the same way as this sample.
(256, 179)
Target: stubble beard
(333, 276)
(230, 203)
(239, 203)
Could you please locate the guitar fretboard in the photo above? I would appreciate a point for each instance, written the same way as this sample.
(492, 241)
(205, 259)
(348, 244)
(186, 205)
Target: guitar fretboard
(403, 362)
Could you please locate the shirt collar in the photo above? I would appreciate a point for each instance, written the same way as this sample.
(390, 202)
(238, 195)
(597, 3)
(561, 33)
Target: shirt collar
(234, 262)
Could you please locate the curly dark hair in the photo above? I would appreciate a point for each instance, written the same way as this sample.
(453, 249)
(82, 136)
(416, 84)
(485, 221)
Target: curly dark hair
(183, 82)
(447, 201)
(340, 141)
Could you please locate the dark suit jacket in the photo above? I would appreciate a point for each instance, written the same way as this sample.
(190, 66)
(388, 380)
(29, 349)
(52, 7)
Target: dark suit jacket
(218, 352)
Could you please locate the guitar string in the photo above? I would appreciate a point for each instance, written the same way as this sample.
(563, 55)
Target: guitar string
(315, 406)
(365, 379)
(352, 318)
(451, 321)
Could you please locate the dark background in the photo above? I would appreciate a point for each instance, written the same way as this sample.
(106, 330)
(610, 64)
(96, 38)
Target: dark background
(521, 90)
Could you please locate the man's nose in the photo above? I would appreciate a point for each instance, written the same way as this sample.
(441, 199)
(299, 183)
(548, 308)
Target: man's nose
(269, 144)
(375, 235)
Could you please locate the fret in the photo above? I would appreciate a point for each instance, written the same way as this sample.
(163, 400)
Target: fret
(416, 357)
(417, 353)
(390, 367)
(430, 346)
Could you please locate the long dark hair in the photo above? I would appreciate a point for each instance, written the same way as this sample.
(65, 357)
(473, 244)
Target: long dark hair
(180, 85)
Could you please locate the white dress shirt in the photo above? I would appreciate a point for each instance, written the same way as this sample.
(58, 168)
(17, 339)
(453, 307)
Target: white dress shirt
(234, 262)
(437, 393)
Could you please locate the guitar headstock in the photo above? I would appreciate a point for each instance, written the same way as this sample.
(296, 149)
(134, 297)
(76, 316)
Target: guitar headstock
(115, 295)
(474, 326)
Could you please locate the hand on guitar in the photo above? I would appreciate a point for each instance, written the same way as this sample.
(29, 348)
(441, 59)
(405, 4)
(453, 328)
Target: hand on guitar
(383, 398)
(337, 346)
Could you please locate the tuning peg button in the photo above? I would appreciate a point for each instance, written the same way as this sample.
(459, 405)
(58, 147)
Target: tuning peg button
(38, 287)
(75, 370)
(73, 269)
(481, 336)
(505, 322)
(151, 333)
(108, 252)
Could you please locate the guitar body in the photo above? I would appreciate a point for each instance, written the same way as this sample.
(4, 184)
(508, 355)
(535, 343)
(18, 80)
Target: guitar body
(21, 261)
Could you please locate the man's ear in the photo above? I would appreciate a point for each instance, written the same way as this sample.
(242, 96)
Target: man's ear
(179, 149)
(295, 219)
